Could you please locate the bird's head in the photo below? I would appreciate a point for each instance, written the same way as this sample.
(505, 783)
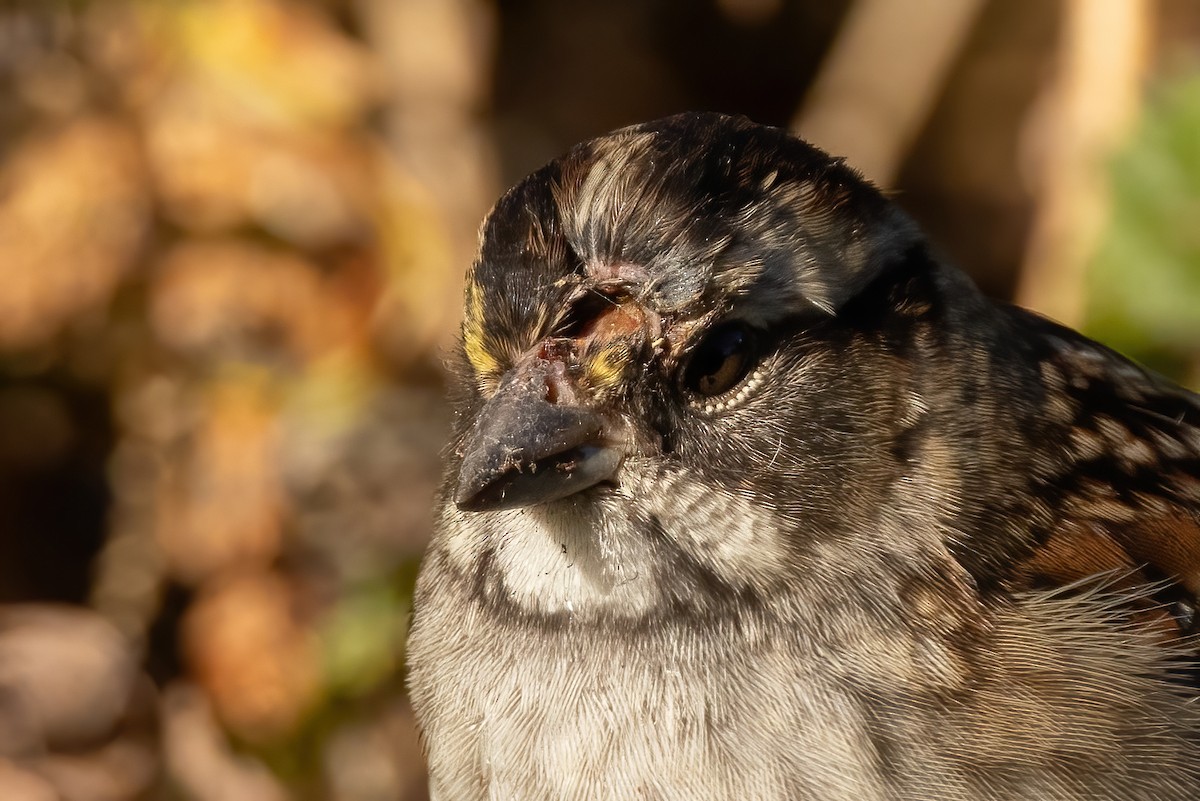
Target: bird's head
(699, 353)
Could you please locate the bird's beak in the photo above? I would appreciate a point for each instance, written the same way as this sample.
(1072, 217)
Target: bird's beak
(533, 442)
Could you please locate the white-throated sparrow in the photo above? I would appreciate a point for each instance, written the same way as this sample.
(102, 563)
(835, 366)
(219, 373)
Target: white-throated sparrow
(751, 497)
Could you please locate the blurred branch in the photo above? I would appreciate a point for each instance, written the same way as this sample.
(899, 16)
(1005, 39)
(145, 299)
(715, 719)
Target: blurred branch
(881, 79)
(1085, 115)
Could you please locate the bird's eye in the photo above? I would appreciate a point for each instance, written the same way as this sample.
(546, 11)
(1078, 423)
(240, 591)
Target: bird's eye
(721, 360)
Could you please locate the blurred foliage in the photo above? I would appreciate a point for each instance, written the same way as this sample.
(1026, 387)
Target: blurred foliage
(1144, 283)
(210, 242)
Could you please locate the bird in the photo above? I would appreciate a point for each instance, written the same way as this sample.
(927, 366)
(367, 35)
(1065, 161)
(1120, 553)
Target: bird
(751, 494)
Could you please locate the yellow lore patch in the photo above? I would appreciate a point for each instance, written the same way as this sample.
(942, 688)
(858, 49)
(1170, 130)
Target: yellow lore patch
(474, 340)
(606, 366)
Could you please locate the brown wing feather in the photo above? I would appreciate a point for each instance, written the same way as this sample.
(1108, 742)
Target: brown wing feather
(1129, 492)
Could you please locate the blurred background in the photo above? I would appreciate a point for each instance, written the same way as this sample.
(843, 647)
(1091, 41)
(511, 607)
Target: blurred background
(232, 239)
